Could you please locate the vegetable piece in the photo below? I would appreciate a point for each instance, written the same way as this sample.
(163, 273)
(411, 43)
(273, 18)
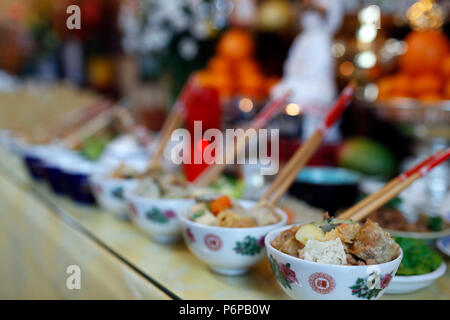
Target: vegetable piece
(220, 204)
(418, 258)
(308, 232)
(198, 214)
(207, 219)
(92, 148)
(435, 223)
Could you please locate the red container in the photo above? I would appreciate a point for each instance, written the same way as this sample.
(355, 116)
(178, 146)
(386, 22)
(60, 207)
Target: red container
(202, 104)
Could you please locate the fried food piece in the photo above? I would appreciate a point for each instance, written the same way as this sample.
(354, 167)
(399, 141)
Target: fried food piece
(292, 247)
(372, 242)
(351, 260)
(284, 236)
(264, 214)
(346, 232)
(228, 218)
(153, 171)
(124, 172)
(287, 243)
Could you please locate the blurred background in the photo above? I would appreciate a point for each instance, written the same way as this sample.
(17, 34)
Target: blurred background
(140, 53)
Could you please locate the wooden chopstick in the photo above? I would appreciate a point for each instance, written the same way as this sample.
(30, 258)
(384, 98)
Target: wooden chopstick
(300, 158)
(384, 197)
(90, 128)
(260, 121)
(125, 118)
(391, 184)
(173, 120)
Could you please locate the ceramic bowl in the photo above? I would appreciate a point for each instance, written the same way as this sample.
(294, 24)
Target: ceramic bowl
(306, 280)
(228, 251)
(443, 244)
(53, 163)
(110, 192)
(328, 188)
(32, 159)
(76, 174)
(408, 284)
(157, 217)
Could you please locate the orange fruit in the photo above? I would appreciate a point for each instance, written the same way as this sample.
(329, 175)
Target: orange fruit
(236, 44)
(251, 85)
(247, 66)
(204, 77)
(428, 83)
(219, 64)
(218, 80)
(385, 87)
(447, 90)
(445, 66)
(426, 49)
(401, 85)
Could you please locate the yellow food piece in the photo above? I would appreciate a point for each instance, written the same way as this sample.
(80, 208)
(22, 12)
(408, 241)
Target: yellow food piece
(309, 232)
(228, 218)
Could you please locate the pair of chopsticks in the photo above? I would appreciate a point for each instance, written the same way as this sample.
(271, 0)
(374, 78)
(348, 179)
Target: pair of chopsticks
(301, 157)
(98, 123)
(90, 128)
(376, 200)
(260, 121)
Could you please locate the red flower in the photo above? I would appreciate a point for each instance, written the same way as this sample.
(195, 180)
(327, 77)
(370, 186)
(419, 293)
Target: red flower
(169, 214)
(190, 235)
(261, 242)
(385, 280)
(132, 209)
(288, 273)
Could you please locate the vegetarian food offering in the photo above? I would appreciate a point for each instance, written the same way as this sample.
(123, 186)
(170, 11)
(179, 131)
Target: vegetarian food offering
(222, 212)
(333, 259)
(340, 242)
(157, 199)
(109, 188)
(125, 172)
(229, 235)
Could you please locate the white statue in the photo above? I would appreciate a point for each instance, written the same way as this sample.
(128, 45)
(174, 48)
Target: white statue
(309, 69)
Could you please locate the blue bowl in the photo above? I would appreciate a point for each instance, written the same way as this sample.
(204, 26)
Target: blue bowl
(53, 161)
(34, 166)
(75, 180)
(56, 180)
(78, 188)
(328, 188)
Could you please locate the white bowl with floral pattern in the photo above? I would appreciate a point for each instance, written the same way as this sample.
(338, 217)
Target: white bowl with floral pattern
(228, 251)
(109, 194)
(306, 280)
(157, 217)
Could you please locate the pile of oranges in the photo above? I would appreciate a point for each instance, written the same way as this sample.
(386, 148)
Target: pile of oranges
(233, 70)
(424, 69)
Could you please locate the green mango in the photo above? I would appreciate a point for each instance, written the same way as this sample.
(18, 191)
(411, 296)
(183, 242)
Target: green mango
(366, 156)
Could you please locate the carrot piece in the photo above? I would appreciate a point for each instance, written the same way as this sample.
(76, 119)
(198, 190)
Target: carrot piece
(220, 204)
(290, 215)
